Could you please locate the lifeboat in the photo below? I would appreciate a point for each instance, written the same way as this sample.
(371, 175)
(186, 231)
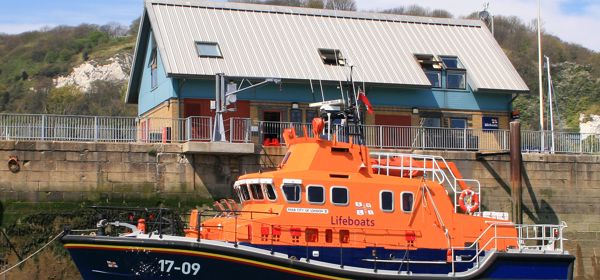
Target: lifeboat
(335, 210)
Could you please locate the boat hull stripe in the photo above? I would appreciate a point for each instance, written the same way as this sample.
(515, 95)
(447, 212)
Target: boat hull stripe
(207, 255)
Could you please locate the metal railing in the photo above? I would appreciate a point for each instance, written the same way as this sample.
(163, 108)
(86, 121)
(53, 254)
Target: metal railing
(243, 130)
(434, 168)
(541, 238)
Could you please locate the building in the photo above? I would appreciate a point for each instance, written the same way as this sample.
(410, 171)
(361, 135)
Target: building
(416, 71)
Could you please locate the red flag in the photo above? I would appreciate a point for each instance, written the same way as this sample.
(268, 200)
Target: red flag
(363, 98)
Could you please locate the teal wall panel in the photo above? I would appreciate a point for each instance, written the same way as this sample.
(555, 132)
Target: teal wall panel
(150, 97)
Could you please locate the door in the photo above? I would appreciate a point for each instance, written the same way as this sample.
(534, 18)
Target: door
(272, 128)
(395, 131)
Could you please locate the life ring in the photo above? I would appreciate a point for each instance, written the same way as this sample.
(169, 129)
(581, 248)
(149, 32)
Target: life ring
(468, 201)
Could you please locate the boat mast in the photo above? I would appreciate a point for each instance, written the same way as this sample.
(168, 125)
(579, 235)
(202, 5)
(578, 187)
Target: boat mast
(354, 125)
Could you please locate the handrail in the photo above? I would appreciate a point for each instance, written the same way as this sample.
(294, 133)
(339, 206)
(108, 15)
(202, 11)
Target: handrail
(520, 240)
(437, 172)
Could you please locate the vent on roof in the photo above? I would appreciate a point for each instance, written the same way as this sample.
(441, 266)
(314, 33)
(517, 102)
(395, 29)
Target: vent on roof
(208, 49)
(456, 74)
(332, 57)
(432, 68)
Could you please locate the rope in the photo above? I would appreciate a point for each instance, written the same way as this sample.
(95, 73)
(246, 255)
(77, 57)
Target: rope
(30, 256)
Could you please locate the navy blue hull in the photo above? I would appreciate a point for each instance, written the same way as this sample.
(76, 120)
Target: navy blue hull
(131, 258)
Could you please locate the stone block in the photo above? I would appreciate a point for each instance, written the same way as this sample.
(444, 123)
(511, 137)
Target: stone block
(167, 158)
(172, 148)
(9, 195)
(138, 167)
(73, 196)
(25, 145)
(76, 166)
(7, 145)
(137, 157)
(114, 157)
(109, 167)
(144, 148)
(74, 146)
(116, 177)
(112, 147)
(55, 155)
(44, 146)
(31, 196)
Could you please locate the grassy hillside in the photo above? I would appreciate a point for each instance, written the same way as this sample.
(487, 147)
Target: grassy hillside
(29, 61)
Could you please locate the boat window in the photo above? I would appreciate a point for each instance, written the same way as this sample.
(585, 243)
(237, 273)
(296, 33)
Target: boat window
(291, 192)
(387, 201)
(312, 235)
(344, 236)
(328, 235)
(257, 191)
(270, 192)
(238, 193)
(339, 195)
(407, 202)
(244, 191)
(315, 194)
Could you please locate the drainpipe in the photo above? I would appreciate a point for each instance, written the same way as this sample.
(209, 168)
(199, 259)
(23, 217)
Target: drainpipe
(515, 171)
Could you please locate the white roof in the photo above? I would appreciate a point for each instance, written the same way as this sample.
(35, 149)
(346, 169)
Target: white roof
(259, 41)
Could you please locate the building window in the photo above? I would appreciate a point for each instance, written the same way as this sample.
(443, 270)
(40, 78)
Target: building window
(458, 123)
(270, 192)
(310, 115)
(456, 75)
(257, 191)
(432, 69)
(153, 68)
(292, 192)
(386, 201)
(332, 57)
(296, 115)
(208, 49)
(407, 202)
(339, 196)
(315, 194)
(431, 122)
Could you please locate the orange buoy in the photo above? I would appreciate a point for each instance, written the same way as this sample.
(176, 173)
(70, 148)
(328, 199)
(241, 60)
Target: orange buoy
(468, 201)
(141, 226)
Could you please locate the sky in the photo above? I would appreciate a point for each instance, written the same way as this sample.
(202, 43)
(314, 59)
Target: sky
(575, 21)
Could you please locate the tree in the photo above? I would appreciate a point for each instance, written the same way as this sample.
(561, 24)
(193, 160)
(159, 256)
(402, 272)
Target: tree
(344, 5)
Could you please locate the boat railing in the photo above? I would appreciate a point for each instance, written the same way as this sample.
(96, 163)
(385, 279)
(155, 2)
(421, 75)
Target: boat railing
(434, 168)
(530, 238)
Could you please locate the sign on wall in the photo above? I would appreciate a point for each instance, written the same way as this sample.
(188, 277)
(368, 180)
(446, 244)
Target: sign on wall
(490, 123)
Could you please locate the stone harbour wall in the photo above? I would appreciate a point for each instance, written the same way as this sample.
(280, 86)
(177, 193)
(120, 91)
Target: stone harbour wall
(115, 172)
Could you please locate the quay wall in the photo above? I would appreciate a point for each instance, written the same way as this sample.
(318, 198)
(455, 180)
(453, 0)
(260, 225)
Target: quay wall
(555, 187)
(115, 172)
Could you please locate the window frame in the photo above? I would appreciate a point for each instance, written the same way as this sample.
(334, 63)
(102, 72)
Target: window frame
(153, 65)
(314, 202)
(338, 57)
(252, 191)
(347, 195)
(381, 201)
(456, 72)
(247, 191)
(266, 192)
(216, 44)
(412, 208)
(285, 196)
